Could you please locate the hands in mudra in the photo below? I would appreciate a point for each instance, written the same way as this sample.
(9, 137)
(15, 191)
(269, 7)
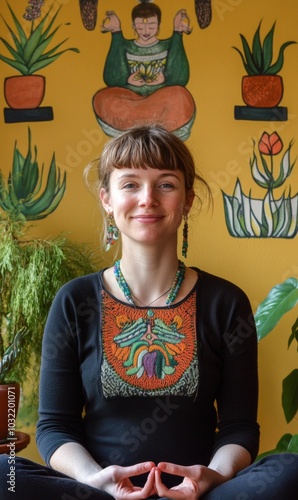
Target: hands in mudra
(195, 480)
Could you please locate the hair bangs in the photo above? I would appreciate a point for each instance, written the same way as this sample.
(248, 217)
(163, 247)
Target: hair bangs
(145, 153)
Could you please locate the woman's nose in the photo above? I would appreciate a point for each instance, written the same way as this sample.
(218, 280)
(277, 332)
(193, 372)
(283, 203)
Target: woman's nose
(148, 197)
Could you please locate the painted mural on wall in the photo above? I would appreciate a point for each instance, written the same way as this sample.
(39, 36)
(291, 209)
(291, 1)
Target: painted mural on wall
(203, 12)
(262, 87)
(273, 216)
(28, 55)
(89, 10)
(23, 195)
(146, 76)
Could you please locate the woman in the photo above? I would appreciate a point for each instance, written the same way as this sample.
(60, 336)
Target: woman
(145, 76)
(149, 369)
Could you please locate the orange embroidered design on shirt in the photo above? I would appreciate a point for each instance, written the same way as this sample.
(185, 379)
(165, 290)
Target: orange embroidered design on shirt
(148, 350)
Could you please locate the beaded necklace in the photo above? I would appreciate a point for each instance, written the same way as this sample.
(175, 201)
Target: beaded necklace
(173, 291)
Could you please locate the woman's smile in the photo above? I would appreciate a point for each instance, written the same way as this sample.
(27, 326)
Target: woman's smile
(148, 218)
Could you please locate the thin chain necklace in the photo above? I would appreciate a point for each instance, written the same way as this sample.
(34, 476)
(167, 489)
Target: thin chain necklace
(150, 303)
(173, 291)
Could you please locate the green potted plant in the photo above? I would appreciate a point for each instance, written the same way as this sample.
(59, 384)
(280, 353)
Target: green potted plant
(31, 269)
(29, 55)
(280, 300)
(262, 86)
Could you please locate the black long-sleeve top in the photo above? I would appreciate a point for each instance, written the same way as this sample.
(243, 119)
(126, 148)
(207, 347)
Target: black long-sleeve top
(135, 384)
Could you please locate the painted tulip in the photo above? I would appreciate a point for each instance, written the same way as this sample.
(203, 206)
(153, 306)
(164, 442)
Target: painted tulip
(270, 144)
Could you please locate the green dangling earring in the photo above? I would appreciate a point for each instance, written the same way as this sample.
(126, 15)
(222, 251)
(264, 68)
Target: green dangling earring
(112, 232)
(185, 236)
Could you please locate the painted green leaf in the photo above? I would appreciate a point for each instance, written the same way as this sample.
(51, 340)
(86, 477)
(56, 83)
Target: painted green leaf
(262, 179)
(16, 53)
(268, 49)
(15, 64)
(281, 299)
(28, 54)
(275, 68)
(291, 216)
(258, 59)
(228, 213)
(281, 223)
(43, 62)
(257, 50)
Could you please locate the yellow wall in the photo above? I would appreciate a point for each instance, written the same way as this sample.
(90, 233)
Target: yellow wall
(222, 147)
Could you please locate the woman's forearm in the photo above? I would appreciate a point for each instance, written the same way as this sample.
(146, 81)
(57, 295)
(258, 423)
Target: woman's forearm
(75, 461)
(229, 460)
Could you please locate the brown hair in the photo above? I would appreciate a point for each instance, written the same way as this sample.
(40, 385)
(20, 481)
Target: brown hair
(147, 146)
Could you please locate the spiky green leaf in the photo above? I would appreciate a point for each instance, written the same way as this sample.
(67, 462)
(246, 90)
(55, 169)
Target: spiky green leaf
(262, 179)
(48, 60)
(257, 53)
(285, 168)
(15, 64)
(249, 57)
(275, 68)
(268, 49)
(21, 32)
(28, 55)
(35, 38)
(17, 53)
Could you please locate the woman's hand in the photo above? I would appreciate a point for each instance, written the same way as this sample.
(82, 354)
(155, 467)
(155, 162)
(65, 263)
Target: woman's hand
(157, 80)
(115, 480)
(138, 80)
(110, 23)
(198, 479)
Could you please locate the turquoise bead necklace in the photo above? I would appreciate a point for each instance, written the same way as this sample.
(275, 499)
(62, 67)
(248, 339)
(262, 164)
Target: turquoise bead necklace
(173, 291)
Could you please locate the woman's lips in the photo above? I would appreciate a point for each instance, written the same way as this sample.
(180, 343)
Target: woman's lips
(147, 219)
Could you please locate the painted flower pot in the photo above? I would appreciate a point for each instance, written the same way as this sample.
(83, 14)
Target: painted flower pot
(9, 405)
(24, 91)
(262, 91)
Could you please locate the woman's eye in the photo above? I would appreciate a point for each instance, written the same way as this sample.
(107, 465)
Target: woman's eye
(129, 185)
(166, 185)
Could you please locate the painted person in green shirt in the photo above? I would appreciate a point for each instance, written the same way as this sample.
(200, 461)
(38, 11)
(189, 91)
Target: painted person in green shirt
(145, 76)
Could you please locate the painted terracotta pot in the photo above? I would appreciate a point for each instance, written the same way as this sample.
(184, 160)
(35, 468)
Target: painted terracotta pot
(262, 91)
(24, 91)
(9, 405)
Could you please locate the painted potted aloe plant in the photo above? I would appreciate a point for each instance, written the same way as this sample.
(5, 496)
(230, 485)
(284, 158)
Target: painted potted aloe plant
(31, 269)
(281, 299)
(262, 87)
(29, 55)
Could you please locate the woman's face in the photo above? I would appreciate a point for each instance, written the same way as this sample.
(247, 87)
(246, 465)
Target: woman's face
(147, 204)
(146, 29)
